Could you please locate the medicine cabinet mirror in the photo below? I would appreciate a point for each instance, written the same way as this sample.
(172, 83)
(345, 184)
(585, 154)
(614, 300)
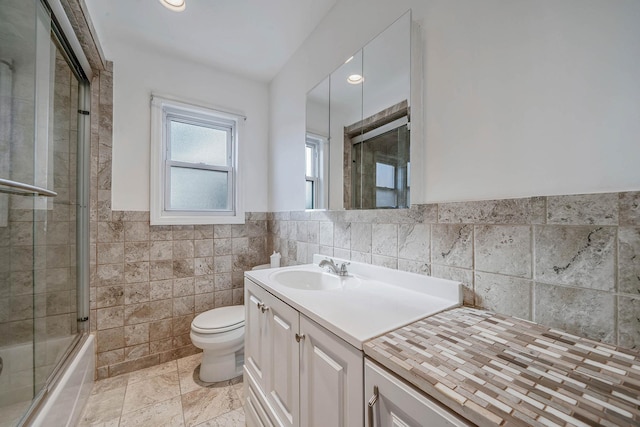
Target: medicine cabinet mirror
(358, 140)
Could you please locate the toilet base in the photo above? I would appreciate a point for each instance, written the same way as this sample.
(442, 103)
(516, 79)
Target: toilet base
(215, 368)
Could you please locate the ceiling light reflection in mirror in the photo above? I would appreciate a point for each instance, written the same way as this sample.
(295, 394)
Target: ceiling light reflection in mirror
(174, 5)
(355, 79)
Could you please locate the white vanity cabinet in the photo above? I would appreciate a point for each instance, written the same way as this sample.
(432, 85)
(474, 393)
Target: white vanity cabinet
(330, 378)
(296, 372)
(272, 353)
(391, 402)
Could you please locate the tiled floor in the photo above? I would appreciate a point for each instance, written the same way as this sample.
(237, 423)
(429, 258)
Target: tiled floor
(166, 395)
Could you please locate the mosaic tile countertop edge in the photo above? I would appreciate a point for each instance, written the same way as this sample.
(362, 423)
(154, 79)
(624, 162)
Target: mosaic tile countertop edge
(498, 370)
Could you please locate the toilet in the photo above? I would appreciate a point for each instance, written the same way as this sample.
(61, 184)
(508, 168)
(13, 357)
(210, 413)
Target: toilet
(220, 335)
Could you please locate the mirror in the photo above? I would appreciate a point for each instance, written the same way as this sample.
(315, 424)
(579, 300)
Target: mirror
(317, 147)
(364, 108)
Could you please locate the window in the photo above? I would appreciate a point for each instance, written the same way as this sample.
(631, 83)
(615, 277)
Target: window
(314, 171)
(392, 182)
(386, 196)
(194, 165)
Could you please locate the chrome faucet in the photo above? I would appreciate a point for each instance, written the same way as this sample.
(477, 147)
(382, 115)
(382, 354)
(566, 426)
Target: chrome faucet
(333, 268)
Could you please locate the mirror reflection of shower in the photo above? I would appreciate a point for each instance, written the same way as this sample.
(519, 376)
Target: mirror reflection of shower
(376, 160)
(381, 168)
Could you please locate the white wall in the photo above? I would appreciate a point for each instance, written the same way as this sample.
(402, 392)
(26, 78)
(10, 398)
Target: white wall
(138, 72)
(521, 97)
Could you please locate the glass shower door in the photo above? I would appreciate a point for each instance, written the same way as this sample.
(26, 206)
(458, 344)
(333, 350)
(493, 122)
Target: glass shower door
(39, 116)
(55, 277)
(18, 26)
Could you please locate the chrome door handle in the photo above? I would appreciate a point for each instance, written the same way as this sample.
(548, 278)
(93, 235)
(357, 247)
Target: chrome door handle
(372, 402)
(263, 307)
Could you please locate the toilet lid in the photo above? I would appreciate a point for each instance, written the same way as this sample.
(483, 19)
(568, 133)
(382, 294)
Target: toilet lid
(220, 319)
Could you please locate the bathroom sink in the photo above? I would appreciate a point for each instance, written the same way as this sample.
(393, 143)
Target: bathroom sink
(313, 280)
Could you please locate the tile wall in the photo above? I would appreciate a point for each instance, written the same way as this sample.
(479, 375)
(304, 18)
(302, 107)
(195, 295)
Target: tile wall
(151, 281)
(571, 262)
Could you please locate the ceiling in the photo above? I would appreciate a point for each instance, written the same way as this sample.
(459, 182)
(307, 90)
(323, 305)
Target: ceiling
(253, 38)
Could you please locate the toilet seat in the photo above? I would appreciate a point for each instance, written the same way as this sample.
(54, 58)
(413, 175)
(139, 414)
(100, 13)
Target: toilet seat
(219, 320)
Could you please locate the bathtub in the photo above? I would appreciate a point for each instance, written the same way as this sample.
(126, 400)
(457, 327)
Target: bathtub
(64, 402)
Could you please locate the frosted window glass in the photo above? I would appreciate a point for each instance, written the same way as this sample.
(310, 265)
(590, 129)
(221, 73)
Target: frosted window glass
(385, 176)
(195, 189)
(385, 198)
(198, 144)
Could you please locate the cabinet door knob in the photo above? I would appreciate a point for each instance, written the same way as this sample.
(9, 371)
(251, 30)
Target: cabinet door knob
(299, 337)
(370, 405)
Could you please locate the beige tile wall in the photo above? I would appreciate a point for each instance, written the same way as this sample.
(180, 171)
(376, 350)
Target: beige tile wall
(571, 262)
(150, 282)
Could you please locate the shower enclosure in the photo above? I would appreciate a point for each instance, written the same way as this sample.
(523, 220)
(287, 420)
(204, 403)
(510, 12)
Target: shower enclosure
(43, 193)
(381, 168)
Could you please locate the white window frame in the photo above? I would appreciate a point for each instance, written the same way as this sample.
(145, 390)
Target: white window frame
(165, 109)
(319, 144)
(314, 144)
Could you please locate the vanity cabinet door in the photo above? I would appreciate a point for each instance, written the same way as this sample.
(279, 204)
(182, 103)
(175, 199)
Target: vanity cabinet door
(255, 338)
(400, 405)
(272, 356)
(330, 379)
(283, 361)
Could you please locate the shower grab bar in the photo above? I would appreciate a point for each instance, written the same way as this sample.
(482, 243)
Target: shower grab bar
(15, 187)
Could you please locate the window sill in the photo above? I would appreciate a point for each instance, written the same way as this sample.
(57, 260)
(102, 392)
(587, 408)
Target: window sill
(172, 219)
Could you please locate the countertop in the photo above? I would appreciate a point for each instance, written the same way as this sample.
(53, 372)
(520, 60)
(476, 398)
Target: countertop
(387, 300)
(498, 370)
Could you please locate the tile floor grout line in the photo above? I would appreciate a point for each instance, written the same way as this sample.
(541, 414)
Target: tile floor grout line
(126, 387)
(184, 419)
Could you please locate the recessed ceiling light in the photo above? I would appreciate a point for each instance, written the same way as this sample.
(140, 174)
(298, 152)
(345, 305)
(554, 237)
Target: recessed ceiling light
(174, 5)
(355, 79)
